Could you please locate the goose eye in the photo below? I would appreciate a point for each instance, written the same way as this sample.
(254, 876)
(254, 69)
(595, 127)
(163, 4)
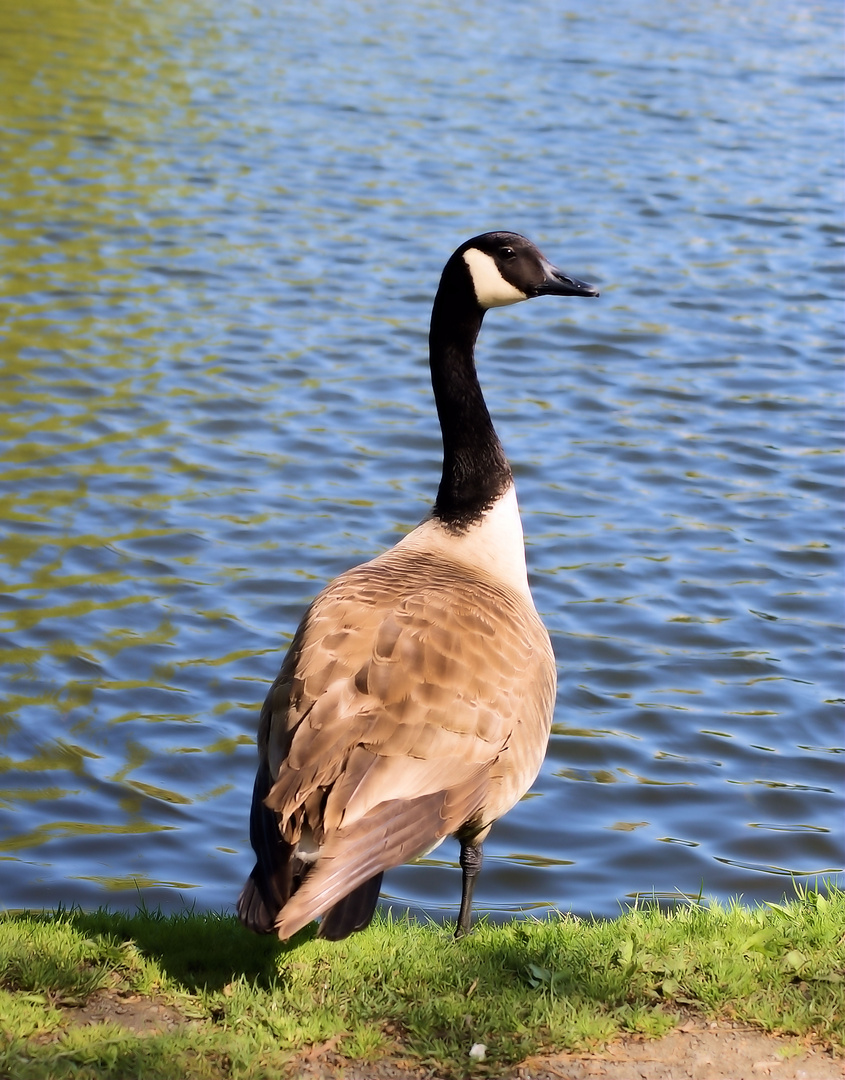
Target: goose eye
(507, 253)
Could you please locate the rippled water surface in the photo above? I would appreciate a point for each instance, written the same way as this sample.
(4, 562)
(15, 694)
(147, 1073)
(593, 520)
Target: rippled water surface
(221, 228)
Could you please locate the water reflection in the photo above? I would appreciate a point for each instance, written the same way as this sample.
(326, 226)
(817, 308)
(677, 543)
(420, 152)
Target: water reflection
(221, 232)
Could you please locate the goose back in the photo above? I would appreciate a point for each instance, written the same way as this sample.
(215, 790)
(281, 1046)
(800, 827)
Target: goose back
(411, 675)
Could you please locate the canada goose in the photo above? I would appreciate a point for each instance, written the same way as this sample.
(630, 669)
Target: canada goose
(416, 698)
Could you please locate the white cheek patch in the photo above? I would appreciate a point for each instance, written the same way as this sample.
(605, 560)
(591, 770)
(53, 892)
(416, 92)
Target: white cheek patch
(491, 289)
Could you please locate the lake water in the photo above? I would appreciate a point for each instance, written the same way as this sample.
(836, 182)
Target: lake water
(221, 229)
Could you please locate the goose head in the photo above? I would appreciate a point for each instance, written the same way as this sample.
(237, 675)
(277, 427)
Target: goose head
(505, 268)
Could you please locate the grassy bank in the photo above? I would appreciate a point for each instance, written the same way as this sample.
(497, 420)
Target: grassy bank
(227, 1004)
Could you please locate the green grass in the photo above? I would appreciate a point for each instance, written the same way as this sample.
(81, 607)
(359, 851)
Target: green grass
(407, 989)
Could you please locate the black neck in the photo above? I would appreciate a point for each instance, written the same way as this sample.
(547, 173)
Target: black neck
(475, 469)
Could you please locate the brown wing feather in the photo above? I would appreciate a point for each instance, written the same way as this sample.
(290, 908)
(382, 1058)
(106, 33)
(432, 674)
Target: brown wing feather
(393, 833)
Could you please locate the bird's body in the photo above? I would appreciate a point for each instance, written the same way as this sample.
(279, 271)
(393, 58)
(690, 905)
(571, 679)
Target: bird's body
(416, 698)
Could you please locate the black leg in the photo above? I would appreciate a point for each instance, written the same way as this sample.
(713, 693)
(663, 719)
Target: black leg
(470, 861)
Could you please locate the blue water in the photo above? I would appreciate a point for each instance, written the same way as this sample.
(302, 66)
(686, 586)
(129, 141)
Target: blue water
(221, 228)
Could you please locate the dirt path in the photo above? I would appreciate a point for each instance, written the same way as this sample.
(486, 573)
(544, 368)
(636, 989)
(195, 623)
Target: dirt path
(696, 1050)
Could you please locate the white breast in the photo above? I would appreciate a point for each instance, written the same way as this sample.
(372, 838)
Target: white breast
(494, 547)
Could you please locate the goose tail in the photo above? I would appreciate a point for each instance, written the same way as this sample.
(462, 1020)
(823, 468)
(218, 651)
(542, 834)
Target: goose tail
(354, 912)
(278, 873)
